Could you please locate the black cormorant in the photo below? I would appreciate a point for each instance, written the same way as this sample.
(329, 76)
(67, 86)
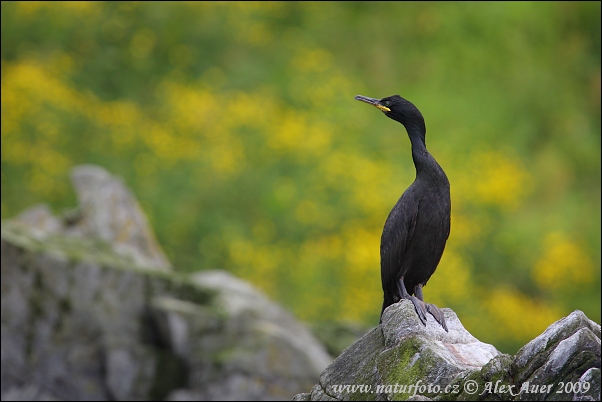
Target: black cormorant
(418, 226)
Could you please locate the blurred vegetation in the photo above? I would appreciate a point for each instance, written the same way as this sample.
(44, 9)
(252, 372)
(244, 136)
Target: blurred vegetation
(235, 125)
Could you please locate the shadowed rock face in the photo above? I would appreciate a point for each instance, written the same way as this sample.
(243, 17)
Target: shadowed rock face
(90, 311)
(402, 352)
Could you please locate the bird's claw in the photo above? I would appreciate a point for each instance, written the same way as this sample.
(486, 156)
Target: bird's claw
(437, 315)
(421, 308)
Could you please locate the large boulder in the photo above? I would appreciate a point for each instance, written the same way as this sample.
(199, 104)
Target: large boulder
(92, 311)
(259, 350)
(403, 359)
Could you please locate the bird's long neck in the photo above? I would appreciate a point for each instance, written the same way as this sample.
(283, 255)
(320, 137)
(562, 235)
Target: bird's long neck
(417, 138)
(427, 167)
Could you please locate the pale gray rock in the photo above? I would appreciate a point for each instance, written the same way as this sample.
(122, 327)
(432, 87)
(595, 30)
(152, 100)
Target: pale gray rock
(90, 311)
(27, 393)
(402, 352)
(558, 359)
(107, 211)
(248, 306)
(110, 212)
(41, 218)
(588, 388)
(458, 346)
(277, 354)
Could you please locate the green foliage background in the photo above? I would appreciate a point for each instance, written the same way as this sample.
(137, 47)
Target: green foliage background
(235, 125)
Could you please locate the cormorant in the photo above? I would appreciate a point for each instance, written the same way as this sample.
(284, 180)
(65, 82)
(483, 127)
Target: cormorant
(418, 226)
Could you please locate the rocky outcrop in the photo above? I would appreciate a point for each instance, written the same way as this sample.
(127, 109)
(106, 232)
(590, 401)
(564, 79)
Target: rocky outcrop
(92, 311)
(106, 210)
(259, 350)
(403, 359)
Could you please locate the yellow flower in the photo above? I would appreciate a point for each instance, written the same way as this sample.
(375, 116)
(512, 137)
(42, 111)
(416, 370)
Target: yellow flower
(563, 264)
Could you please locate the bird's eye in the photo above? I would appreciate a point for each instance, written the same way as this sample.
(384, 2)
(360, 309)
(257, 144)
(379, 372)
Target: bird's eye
(387, 103)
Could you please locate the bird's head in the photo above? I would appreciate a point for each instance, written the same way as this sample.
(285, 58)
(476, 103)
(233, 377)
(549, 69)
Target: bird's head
(397, 108)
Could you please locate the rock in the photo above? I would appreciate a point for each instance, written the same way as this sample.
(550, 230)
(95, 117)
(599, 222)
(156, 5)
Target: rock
(588, 388)
(27, 393)
(276, 347)
(458, 346)
(84, 320)
(402, 351)
(254, 312)
(403, 359)
(107, 211)
(40, 217)
(561, 355)
(66, 312)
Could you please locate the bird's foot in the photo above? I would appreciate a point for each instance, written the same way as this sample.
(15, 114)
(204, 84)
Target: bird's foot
(437, 314)
(420, 306)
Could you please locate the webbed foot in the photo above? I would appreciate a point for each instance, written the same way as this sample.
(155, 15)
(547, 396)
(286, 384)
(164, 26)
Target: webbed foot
(420, 306)
(431, 308)
(437, 315)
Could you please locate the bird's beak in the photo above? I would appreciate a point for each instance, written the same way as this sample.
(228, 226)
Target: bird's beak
(372, 101)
